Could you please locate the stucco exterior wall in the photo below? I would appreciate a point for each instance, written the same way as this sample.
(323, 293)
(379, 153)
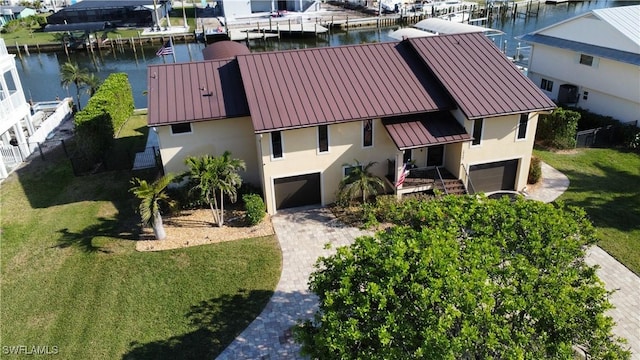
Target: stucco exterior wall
(499, 143)
(300, 156)
(213, 138)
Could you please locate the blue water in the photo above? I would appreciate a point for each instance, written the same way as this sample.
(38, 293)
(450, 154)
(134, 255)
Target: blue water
(40, 77)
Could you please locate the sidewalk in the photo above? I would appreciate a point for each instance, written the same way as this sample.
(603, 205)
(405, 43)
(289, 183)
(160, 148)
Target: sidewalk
(615, 276)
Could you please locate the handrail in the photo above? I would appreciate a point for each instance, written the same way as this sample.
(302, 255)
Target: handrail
(444, 186)
(469, 181)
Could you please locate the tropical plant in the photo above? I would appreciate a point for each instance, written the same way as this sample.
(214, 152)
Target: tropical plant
(359, 181)
(151, 196)
(93, 83)
(72, 73)
(466, 277)
(213, 176)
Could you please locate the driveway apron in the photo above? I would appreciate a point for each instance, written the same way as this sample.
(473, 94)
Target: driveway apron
(303, 234)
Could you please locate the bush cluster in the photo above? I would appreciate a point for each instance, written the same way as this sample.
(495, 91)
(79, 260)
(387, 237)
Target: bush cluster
(255, 208)
(535, 170)
(558, 129)
(106, 112)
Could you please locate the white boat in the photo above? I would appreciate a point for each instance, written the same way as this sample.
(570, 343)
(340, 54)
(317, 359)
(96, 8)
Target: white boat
(457, 17)
(453, 5)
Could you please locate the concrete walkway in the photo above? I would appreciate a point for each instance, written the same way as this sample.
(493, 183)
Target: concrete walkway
(302, 233)
(615, 276)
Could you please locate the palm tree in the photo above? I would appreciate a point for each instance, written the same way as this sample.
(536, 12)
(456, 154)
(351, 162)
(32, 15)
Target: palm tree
(213, 175)
(93, 82)
(150, 196)
(359, 181)
(73, 74)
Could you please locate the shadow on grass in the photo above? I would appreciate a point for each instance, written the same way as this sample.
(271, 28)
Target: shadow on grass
(611, 200)
(216, 322)
(123, 228)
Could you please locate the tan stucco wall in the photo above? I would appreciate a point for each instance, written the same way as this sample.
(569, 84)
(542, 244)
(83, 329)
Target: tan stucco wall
(301, 156)
(499, 143)
(213, 138)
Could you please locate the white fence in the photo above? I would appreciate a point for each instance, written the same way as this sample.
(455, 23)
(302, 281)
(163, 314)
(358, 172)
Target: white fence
(11, 155)
(62, 112)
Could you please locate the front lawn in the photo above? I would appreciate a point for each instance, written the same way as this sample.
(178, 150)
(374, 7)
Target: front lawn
(71, 277)
(606, 183)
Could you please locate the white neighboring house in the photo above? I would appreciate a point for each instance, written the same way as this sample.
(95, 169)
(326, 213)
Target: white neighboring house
(591, 61)
(15, 115)
(20, 132)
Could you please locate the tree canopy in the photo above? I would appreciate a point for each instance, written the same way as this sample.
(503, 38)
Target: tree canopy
(464, 278)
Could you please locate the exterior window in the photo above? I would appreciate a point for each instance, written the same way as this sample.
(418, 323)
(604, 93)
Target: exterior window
(522, 126)
(323, 138)
(585, 95)
(276, 144)
(546, 85)
(349, 169)
(367, 133)
(477, 131)
(406, 157)
(181, 128)
(586, 59)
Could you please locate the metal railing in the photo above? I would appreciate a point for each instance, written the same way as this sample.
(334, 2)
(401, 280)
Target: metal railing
(444, 186)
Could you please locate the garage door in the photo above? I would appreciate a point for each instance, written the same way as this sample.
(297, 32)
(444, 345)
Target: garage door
(298, 190)
(494, 176)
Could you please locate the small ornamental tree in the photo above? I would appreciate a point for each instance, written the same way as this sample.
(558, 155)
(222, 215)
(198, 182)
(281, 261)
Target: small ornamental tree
(151, 195)
(359, 182)
(473, 278)
(558, 129)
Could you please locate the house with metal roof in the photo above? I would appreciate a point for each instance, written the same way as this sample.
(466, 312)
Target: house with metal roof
(591, 61)
(455, 115)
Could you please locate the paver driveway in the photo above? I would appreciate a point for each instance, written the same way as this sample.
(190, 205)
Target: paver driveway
(302, 233)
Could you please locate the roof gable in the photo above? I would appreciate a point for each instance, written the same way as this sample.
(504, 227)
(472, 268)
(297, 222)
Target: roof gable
(614, 28)
(299, 88)
(478, 76)
(196, 91)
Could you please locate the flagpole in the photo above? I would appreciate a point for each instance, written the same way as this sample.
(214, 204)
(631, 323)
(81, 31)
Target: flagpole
(173, 48)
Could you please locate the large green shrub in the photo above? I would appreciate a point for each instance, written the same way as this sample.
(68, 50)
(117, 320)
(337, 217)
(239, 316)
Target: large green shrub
(255, 208)
(558, 129)
(535, 170)
(106, 111)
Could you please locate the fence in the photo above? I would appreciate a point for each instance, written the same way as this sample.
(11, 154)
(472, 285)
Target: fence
(62, 113)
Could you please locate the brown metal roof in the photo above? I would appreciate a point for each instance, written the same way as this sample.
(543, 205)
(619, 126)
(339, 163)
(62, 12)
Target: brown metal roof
(224, 50)
(421, 130)
(290, 89)
(196, 91)
(478, 76)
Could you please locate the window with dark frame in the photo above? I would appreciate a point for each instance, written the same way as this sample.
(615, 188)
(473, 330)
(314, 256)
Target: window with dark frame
(586, 59)
(522, 126)
(181, 128)
(323, 138)
(585, 95)
(546, 85)
(367, 133)
(477, 131)
(276, 144)
(349, 169)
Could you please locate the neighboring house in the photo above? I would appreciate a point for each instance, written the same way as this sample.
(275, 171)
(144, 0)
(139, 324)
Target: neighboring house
(15, 115)
(453, 106)
(119, 13)
(8, 13)
(591, 61)
(233, 9)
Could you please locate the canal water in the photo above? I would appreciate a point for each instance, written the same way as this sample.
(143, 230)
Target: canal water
(40, 75)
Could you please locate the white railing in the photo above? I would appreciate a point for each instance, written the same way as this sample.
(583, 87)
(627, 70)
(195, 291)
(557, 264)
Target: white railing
(3, 48)
(13, 102)
(10, 155)
(49, 124)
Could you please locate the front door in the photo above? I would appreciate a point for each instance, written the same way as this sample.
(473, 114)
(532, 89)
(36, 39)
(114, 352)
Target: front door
(435, 155)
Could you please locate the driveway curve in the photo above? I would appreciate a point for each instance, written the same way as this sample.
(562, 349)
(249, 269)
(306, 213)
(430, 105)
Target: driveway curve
(303, 234)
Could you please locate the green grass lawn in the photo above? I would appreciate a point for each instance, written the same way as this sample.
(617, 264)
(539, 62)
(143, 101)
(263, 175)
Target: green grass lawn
(71, 276)
(606, 183)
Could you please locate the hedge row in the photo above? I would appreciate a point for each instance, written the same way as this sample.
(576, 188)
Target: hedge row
(105, 113)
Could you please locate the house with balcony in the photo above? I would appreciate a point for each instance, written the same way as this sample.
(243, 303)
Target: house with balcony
(15, 115)
(591, 61)
(450, 109)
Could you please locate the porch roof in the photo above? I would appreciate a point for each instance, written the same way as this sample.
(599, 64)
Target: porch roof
(420, 130)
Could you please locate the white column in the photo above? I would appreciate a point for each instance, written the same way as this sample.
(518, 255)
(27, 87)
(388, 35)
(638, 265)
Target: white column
(3, 169)
(27, 119)
(22, 141)
(399, 157)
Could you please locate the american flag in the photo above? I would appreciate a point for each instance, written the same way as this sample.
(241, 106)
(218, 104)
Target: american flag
(403, 175)
(166, 49)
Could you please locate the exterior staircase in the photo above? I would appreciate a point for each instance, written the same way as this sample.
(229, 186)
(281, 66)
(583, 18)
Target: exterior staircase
(451, 187)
